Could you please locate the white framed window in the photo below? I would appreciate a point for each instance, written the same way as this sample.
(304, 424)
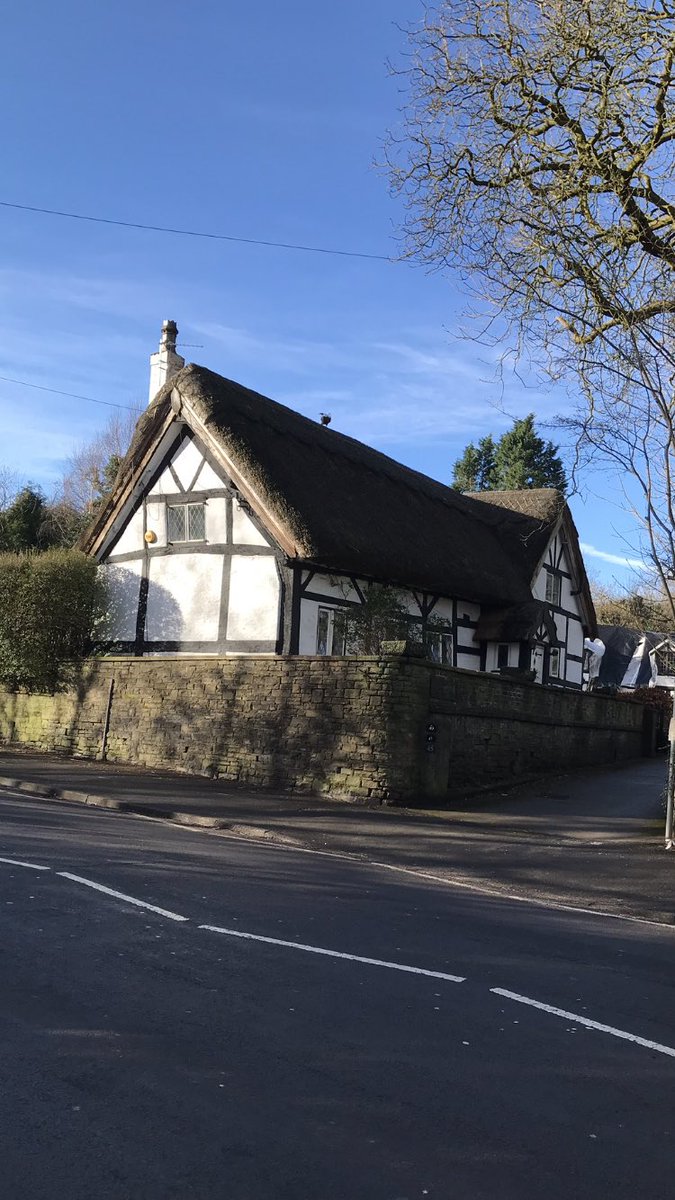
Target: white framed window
(331, 631)
(339, 632)
(553, 588)
(440, 647)
(324, 622)
(502, 655)
(185, 522)
(554, 663)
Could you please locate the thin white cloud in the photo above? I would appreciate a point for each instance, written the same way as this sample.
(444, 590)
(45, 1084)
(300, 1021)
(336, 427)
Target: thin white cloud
(619, 560)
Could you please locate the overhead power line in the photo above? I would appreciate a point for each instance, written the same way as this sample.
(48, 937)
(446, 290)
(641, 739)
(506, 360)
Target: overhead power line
(40, 387)
(196, 233)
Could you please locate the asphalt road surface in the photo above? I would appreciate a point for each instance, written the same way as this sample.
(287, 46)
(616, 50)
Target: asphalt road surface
(189, 1015)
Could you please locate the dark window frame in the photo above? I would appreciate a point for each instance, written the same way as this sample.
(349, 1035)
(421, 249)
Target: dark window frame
(188, 533)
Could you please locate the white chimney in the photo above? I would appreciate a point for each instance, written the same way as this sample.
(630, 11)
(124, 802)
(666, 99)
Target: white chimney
(165, 363)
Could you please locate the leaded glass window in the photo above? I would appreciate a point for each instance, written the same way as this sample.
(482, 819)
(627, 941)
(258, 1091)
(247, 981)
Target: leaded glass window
(185, 523)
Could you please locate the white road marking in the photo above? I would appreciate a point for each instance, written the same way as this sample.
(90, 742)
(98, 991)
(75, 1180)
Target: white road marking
(99, 887)
(371, 962)
(448, 880)
(578, 1020)
(14, 862)
(540, 902)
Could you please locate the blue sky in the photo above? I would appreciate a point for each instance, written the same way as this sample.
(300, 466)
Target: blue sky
(260, 121)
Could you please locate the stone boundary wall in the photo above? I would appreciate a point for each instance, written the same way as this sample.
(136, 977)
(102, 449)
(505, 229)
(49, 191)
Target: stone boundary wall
(392, 729)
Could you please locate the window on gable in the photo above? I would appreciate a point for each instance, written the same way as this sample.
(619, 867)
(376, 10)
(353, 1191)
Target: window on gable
(185, 522)
(665, 660)
(553, 588)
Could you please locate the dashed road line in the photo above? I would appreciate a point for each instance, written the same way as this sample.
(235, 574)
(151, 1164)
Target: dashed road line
(99, 887)
(370, 962)
(574, 1018)
(14, 862)
(579, 1020)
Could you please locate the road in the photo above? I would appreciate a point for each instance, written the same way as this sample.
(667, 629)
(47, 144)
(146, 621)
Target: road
(262, 1036)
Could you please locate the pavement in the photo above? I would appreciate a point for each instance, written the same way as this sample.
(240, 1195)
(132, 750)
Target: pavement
(590, 839)
(186, 1016)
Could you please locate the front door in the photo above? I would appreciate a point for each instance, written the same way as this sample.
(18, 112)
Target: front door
(538, 662)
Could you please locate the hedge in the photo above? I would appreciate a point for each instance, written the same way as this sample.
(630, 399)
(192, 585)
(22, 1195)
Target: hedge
(49, 603)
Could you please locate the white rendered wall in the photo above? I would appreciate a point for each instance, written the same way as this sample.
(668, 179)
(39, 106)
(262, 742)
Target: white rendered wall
(244, 532)
(467, 610)
(215, 517)
(156, 521)
(122, 584)
(253, 613)
(443, 610)
(335, 586)
(207, 478)
(184, 597)
(574, 672)
(165, 485)
(186, 462)
(575, 639)
(131, 538)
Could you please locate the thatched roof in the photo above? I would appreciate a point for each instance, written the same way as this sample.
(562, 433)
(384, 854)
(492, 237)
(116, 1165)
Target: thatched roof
(526, 519)
(348, 508)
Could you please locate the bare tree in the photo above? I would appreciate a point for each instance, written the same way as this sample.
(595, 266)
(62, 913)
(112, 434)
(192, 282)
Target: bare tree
(633, 607)
(536, 156)
(10, 486)
(90, 470)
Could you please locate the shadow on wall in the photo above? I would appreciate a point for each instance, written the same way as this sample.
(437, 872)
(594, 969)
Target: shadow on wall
(126, 596)
(285, 724)
(264, 721)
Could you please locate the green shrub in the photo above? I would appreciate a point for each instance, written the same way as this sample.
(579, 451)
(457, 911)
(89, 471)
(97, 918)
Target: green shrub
(48, 605)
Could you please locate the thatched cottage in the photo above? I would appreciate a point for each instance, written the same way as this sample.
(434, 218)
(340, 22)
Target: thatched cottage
(237, 526)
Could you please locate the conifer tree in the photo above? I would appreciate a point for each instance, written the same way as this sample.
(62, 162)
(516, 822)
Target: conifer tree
(520, 459)
(22, 522)
(476, 470)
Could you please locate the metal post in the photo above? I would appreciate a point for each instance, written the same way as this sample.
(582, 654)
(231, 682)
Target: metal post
(106, 723)
(670, 842)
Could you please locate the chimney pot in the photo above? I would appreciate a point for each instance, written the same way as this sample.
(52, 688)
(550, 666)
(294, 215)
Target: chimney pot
(166, 362)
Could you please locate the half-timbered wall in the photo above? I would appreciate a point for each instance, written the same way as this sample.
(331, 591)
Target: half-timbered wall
(322, 593)
(558, 585)
(191, 570)
(189, 567)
